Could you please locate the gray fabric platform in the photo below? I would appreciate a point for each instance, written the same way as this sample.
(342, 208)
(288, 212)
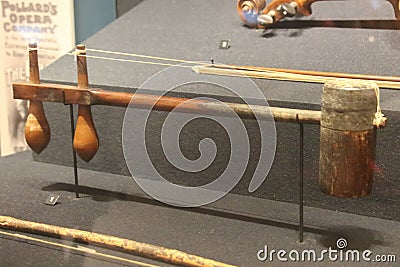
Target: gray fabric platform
(192, 30)
(232, 230)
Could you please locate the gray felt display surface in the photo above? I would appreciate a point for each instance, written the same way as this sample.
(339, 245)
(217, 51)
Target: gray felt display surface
(365, 41)
(231, 230)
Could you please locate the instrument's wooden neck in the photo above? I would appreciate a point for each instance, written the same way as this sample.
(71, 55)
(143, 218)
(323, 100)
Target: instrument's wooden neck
(304, 6)
(255, 13)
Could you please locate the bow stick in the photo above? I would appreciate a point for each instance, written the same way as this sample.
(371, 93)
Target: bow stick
(389, 82)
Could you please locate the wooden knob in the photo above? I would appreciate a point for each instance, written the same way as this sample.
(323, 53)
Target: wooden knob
(86, 142)
(303, 7)
(287, 10)
(37, 129)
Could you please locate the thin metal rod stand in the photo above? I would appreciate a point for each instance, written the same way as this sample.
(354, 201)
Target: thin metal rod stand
(71, 113)
(301, 184)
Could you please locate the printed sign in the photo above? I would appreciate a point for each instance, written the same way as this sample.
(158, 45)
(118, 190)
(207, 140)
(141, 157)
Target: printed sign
(48, 23)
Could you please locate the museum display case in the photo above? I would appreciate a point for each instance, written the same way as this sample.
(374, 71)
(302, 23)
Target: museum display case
(219, 128)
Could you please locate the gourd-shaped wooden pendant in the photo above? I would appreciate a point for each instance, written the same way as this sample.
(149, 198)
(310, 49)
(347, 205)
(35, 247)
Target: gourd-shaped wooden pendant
(86, 142)
(37, 129)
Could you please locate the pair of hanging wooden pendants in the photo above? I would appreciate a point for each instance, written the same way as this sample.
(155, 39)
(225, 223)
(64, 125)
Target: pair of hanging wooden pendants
(37, 129)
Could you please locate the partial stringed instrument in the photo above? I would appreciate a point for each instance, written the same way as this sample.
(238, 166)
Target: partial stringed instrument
(257, 14)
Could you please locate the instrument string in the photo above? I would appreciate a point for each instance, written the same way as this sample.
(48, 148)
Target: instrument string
(227, 70)
(380, 119)
(109, 58)
(146, 56)
(239, 70)
(191, 62)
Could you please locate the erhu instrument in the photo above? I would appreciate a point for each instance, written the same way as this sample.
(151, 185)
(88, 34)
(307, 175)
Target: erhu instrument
(352, 94)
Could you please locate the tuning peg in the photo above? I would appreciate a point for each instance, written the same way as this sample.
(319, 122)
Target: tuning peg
(37, 129)
(86, 142)
(287, 9)
(265, 20)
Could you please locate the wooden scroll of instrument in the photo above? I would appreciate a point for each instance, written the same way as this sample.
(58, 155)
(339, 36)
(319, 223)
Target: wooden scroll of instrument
(37, 130)
(86, 142)
(257, 14)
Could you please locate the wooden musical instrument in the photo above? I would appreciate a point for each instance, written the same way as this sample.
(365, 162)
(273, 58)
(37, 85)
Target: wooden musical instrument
(257, 14)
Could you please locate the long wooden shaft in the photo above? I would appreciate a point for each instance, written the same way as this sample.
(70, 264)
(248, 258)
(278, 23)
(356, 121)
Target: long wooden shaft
(73, 95)
(303, 7)
(285, 75)
(339, 75)
(171, 256)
